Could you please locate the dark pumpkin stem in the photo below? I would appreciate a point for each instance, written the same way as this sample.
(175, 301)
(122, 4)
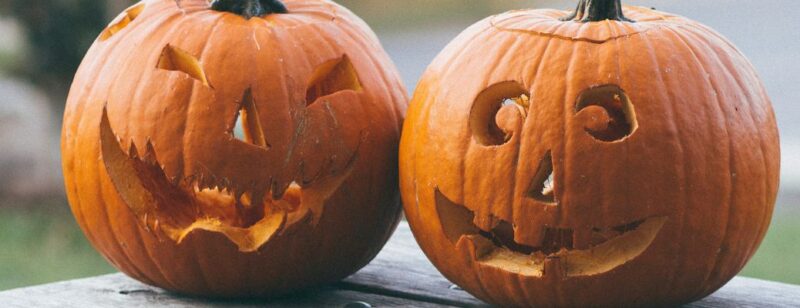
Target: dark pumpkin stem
(597, 10)
(250, 8)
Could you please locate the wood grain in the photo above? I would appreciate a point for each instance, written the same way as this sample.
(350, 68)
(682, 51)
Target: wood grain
(399, 276)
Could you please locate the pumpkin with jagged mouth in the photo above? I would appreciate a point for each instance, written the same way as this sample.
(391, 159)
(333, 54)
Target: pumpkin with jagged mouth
(235, 149)
(589, 159)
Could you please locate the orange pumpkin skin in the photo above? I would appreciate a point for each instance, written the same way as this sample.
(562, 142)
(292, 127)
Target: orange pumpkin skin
(661, 140)
(163, 189)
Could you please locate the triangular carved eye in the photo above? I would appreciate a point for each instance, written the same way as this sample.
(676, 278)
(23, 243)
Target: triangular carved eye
(331, 77)
(176, 59)
(122, 21)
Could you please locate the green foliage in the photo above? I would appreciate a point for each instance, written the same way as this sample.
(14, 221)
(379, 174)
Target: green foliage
(58, 32)
(777, 259)
(6, 61)
(44, 244)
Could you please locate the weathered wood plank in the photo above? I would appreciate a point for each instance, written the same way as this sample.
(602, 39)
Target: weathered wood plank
(399, 276)
(117, 290)
(402, 269)
(749, 292)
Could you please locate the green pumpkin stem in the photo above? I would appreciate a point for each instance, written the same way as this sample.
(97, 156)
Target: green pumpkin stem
(250, 8)
(597, 10)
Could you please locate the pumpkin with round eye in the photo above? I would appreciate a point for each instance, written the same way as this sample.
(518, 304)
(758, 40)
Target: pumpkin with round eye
(609, 157)
(238, 148)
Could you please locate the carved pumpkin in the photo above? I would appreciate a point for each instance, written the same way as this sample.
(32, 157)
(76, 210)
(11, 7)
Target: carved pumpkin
(589, 159)
(166, 189)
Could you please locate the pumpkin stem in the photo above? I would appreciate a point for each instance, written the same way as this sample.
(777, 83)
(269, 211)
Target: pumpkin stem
(597, 10)
(250, 8)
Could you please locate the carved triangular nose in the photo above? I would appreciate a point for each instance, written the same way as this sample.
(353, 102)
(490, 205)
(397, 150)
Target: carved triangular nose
(248, 125)
(543, 185)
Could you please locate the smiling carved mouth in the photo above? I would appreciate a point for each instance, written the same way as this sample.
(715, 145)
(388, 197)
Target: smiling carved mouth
(179, 208)
(562, 253)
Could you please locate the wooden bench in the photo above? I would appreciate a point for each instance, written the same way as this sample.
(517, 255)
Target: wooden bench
(399, 276)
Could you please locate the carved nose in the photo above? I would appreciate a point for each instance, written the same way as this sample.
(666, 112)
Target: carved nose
(543, 185)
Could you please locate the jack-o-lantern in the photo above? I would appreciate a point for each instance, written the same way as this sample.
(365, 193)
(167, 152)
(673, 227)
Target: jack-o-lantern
(165, 186)
(611, 156)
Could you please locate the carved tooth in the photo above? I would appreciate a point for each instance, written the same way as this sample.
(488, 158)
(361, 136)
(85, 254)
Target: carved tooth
(132, 151)
(279, 188)
(554, 269)
(150, 154)
(176, 180)
(146, 224)
(257, 198)
(191, 182)
(225, 183)
(485, 222)
(200, 181)
(237, 195)
(530, 236)
(582, 238)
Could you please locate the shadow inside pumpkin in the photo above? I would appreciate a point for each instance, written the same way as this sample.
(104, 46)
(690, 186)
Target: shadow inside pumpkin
(557, 256)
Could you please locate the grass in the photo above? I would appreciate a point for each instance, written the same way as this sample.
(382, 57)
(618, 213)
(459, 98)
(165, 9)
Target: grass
(777, 258)
(43, 244)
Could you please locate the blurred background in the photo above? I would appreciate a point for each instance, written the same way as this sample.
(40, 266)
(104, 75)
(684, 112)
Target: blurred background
(42, 43)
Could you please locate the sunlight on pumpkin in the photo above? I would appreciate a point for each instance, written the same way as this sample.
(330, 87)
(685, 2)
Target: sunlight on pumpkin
(122, 21)
(331, 77)
(175, 59)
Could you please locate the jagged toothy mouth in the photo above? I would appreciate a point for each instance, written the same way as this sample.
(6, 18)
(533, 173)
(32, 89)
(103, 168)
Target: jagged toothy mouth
(562, 253)
(249, 218)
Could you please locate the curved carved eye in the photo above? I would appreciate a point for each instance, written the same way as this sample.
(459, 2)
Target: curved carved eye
(610, 112)
(483, 118)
